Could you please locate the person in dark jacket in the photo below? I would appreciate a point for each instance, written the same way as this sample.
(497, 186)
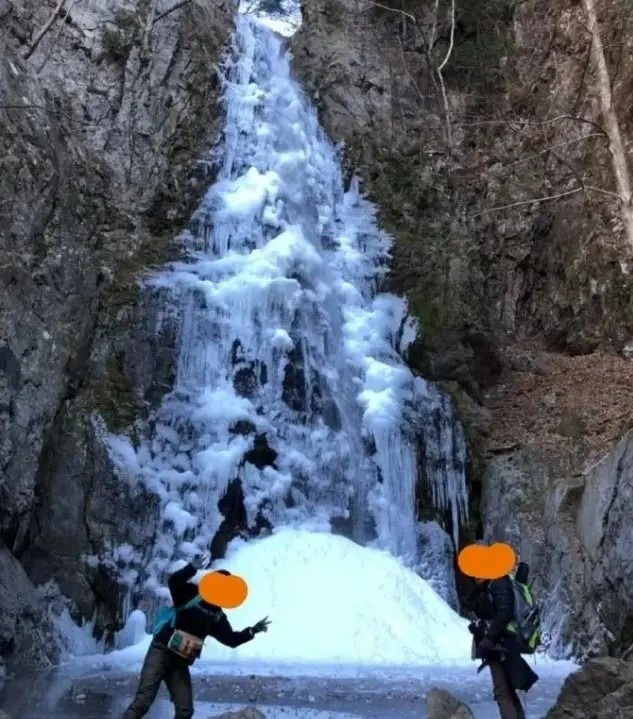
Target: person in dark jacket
(163, 664)
(493, 604)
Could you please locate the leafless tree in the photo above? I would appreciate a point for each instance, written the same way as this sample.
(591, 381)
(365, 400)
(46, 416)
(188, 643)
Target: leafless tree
(619, 160)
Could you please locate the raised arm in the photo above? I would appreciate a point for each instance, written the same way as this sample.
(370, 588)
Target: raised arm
(178, 584)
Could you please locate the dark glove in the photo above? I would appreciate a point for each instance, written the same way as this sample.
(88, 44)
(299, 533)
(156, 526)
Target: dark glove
(478, 630)
(261, 626)
(487, 645)
(201, 560)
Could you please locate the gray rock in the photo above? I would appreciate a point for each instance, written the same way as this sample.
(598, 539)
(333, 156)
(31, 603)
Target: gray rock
(601, 689)
(576, 534)
(26, 633)
(246, 713)
(105, 130)
(441, 704)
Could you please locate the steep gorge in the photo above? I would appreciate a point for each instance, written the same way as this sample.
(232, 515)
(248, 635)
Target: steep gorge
(525, 303)
(525, 310)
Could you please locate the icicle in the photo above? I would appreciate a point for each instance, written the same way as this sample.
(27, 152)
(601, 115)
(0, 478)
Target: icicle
(445, 454)
(282, 334)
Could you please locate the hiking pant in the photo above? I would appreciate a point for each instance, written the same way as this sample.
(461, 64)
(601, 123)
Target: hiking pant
(507, 699)
(162, 665)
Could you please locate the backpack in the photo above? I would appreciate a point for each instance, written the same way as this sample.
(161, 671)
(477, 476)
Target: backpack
(167, 615)
(527, 624)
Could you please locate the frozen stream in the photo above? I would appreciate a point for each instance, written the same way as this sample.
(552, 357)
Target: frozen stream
(65, 695)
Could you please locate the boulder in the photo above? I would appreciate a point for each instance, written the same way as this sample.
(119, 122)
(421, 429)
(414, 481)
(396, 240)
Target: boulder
(246, 713)
(441, 704)
(26, 633)
(601, 689)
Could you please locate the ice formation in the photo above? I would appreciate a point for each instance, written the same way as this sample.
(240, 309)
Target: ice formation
(284, 334)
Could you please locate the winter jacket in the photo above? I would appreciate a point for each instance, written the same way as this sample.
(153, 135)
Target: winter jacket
(493, 602)
(495, 605)
(501, 596)
(201, 620)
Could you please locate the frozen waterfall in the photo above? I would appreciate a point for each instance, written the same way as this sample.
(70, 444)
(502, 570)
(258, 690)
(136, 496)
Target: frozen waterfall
(284, 337)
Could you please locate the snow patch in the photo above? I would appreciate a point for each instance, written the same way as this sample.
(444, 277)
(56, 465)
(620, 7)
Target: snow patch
(331, 602)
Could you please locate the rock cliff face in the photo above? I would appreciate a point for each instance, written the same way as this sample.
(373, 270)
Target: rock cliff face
(575, 531)
(478, 140)
(602, 689)
(108, 109)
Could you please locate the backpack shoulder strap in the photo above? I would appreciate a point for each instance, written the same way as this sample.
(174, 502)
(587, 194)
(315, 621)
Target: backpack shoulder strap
(191, 603)
(167, 615)
(525, 591)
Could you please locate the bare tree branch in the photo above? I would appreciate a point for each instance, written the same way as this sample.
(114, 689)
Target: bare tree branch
(608, 193)
(430, 46)
(408, 71)
(47, 26)
(582, 79)
(549, 149)
(391, 9)
(447, 113)
(534, 123)
(433, 35)
(172, 9)
(528, 202)
(56, 38)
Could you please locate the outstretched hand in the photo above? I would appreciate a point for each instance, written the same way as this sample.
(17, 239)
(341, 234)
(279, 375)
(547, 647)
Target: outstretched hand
(201, 560)
(261, 626)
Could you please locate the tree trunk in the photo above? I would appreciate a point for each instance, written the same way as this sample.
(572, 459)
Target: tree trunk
(610, 119)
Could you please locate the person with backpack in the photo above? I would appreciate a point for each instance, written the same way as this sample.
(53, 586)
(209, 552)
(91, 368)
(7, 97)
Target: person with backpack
(506, 628)
(178, 638)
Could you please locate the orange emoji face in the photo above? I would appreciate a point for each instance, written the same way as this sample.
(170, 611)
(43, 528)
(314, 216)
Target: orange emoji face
(227, 591)
(491, 562)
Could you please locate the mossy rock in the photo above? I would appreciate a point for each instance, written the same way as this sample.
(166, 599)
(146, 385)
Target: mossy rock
(120, 34)
(483, 45)
(572, 425)
(429, 315)
(114, 397)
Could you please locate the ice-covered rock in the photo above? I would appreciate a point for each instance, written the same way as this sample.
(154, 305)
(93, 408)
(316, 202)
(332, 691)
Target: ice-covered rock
(441, 704)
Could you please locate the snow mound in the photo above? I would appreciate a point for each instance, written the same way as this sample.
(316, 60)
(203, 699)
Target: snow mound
(333, 602)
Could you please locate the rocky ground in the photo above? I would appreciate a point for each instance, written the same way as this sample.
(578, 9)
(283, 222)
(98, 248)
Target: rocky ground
(548, 399)
(603, 689)
(278, 697)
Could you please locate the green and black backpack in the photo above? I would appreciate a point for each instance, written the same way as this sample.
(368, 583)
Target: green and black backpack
(527, 624)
